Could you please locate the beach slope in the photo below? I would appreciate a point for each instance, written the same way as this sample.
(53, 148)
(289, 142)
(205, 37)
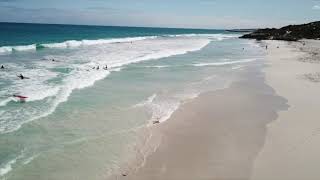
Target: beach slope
(216, 136)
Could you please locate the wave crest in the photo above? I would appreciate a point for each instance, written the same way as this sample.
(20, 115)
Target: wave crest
(80, 43)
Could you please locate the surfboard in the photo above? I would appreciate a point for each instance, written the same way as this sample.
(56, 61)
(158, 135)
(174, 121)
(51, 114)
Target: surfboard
(20, 97)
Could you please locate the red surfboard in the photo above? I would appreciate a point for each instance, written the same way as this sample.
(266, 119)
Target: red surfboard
(21, 98)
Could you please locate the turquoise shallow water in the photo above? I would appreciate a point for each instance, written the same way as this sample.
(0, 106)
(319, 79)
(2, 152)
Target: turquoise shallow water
(81, 123)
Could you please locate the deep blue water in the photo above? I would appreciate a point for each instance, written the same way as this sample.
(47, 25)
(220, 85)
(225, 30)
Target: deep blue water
(12, 34)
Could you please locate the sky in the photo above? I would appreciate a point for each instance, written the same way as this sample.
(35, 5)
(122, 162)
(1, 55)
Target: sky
(212, 14)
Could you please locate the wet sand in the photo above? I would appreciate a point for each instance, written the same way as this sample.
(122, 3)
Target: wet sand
(217, 136)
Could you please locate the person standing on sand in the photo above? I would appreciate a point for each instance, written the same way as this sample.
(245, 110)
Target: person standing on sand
(266, 47)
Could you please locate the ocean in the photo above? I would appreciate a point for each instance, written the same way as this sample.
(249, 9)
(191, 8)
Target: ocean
(90, 89)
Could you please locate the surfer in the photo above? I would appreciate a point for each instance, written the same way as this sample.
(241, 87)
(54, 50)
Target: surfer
(22, 99)
(22, 77)
(54, 60)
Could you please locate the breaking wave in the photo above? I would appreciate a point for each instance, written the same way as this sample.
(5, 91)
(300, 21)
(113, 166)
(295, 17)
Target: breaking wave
(81, 43)
(51, 83)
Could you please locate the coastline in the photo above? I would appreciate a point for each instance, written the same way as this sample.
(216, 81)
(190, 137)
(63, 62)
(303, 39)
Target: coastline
(150, 103)
(255, 129)
(215, 136)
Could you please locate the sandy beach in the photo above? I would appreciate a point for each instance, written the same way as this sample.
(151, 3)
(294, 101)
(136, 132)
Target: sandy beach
(159, 90)
(293, 141)
(264, 126)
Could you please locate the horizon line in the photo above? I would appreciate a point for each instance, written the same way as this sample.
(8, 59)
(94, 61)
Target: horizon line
(96, 25)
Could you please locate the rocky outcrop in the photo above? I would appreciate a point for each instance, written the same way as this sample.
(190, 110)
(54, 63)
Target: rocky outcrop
(288, 33)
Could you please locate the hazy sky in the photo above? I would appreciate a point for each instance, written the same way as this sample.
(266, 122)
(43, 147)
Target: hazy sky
(163, 13)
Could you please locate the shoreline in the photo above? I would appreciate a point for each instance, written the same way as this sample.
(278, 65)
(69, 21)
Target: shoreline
(250, 130)
(214, 136)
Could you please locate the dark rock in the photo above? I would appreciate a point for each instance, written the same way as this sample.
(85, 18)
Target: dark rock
(287, 33)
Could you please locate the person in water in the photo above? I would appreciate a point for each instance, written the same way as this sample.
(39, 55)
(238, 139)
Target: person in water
(98, 68)
(21, 76)
(106, 68)
(2, 67)
(21, 98)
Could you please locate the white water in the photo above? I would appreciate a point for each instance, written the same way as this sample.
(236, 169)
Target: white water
(9, 49)
(48, 88)
(7, 167)
(225, 63)
(74, 43)
(82, 43)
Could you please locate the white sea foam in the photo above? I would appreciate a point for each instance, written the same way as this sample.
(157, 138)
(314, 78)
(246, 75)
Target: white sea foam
(9, 49)
(237, 67)
(30, 159)
(5, 101)
(224, 63)
(49, 88)
(218, 37)
(34, 88)
(160, 108)
(7, 167)
(75, 43)
(148, 101)
(81, 43)
(5, 49)
(159, 67)
(115, 70)
(71, 44)
(24, 48)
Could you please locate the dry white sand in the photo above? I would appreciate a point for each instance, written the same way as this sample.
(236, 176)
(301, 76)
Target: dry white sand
(292, 148)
